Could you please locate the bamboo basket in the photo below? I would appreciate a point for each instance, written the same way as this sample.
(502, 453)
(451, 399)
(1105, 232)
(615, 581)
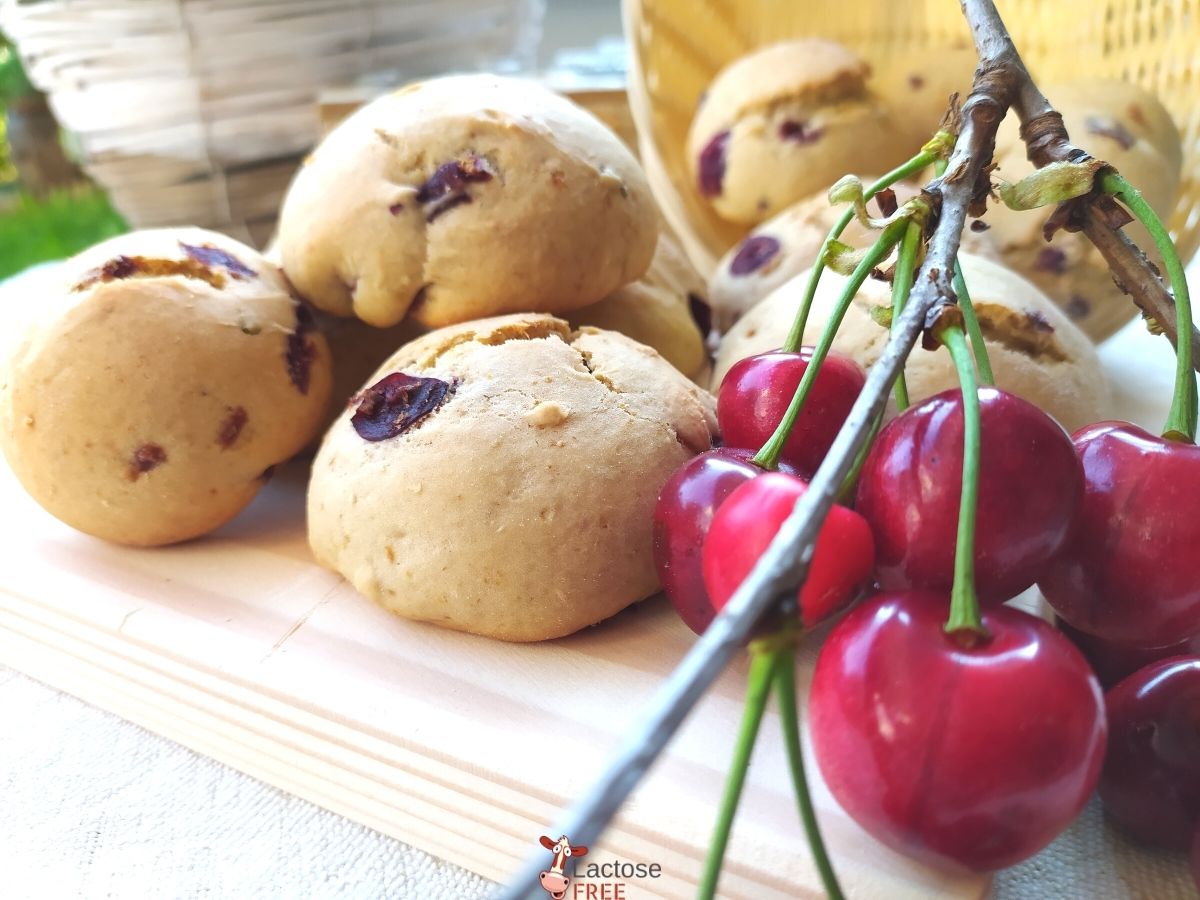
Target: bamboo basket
(678, 46)
(198, 111)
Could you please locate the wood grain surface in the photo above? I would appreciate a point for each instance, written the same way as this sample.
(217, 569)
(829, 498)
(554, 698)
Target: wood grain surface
(240, 647)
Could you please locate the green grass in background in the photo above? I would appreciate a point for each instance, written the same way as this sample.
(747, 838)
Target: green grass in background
(55, 226)
(50, 226)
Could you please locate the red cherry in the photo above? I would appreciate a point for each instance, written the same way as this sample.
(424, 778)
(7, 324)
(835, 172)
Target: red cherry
(963, 757)
(1151, 780)
(749, 519)
(1030, 483)
(681, 520)
(1131, 572)
(757, 390)
(1112, 661)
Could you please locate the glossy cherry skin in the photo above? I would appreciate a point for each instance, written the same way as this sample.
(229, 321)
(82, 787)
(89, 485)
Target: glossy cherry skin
(1151, 780)
(681, 519)
(1112, 661)
(964, 758)
(748, 520)
(1030, 484)
(757, 390)
(1131, 571)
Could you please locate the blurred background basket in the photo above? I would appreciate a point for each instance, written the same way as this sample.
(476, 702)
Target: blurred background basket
(200, 110)
(678, 46)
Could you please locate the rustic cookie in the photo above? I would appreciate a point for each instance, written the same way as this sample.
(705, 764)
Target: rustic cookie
(784, 122)
(158, 381)
(786, 245)
(1035, 351)
(665, 309)
(1125, 126)
(463, 197)
(499, 477)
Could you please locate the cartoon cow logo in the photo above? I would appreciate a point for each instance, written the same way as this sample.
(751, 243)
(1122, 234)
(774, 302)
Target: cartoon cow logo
(554, 882)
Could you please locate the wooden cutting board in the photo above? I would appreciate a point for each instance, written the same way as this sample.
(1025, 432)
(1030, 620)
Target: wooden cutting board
(240, 647)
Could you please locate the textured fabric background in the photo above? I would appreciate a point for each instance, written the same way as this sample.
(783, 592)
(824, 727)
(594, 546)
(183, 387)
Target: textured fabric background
(92, 806)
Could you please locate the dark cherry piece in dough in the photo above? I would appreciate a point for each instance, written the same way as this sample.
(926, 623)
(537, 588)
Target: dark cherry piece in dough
(395, 404)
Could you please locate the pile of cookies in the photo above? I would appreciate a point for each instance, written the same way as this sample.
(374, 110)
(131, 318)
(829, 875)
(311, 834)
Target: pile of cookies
(496, 441)
(473, 298)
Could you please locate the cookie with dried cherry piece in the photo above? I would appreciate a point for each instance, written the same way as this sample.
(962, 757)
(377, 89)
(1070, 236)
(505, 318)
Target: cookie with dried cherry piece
(159, 377)
(499, 476)
(463, 197)
(783, 122)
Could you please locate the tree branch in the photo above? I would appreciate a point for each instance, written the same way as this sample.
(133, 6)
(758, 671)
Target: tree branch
(784, 564)
(1047, 141)
(1001, 80)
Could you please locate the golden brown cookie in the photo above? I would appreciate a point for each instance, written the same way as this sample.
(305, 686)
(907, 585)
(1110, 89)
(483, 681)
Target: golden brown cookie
(1035, 351)
(463, 197)
(159, 380)
(499, 477)
(784, 122)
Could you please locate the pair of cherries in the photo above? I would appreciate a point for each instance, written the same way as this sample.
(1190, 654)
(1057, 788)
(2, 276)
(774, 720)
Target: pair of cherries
(1127, 587)
(889, 674)
(718, 513)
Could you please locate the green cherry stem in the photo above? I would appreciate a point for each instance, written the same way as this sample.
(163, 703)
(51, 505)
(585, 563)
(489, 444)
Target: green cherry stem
(796, 336)
(768, 456)
(964, 604)
(1181, 420)
(902, 282)
(970, 320)
(758, 689)
(785, 687)
(849, 486)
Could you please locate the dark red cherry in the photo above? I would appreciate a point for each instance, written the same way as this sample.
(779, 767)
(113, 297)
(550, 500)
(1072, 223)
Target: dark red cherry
(1131, 571)
(757, 390)
(1151, 780)
(748, 520)
(1030, 483)
(681, 519)
(969, 758)
(1112, 661)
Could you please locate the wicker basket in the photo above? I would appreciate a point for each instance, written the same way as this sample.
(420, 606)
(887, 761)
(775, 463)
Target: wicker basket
(678, 46)
(198, 111)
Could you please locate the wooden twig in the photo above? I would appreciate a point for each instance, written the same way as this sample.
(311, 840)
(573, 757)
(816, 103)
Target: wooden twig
(1047, 141)
(1001, 81)
(783, 566)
